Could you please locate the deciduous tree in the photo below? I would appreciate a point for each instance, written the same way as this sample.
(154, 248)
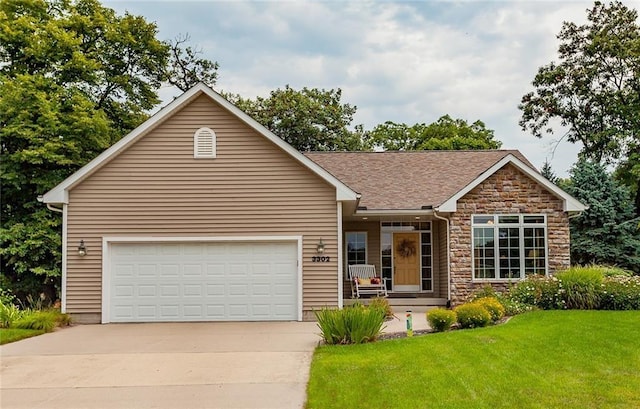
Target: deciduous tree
(444, 134)
(74, 78)
(309, 119)
(593, 91)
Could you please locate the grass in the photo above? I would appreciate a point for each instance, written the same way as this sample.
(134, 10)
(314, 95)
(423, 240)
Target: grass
(542, 359)
(8, 335)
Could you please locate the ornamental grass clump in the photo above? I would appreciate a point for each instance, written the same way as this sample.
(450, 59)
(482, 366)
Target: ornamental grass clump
(581, 287)
(495, 308)
(472, 315)
(440, 319)
(383, 304)
(351, 325)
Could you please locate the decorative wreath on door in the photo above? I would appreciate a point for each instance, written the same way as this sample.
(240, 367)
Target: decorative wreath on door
(406, 248)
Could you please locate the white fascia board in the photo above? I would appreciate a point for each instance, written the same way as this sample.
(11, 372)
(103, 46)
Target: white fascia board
(59, 194)
(392, 212)
(570, 204)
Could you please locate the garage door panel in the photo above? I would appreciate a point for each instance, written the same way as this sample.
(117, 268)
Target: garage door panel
(203, 281)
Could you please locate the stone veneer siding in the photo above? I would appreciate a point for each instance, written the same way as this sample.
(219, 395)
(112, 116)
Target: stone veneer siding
(508, 191)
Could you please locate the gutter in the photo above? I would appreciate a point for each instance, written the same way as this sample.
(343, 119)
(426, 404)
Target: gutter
(51, 207)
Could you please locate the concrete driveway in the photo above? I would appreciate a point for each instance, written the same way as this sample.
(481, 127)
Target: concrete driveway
(168, 365)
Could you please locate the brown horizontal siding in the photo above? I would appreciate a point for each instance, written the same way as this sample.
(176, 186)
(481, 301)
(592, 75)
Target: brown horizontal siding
(157, 188)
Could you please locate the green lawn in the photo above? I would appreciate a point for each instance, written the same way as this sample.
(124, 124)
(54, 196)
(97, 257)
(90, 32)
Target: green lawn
(13, 334)
(544, 359)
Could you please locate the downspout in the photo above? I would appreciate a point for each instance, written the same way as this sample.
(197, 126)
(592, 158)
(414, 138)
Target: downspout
(435, 214)
(63, 279)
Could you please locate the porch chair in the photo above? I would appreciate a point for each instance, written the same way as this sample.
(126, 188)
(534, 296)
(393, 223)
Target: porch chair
(364, 280)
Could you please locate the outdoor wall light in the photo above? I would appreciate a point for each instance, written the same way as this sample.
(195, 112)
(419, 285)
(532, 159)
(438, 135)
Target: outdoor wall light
(320, 248)
(82, 249)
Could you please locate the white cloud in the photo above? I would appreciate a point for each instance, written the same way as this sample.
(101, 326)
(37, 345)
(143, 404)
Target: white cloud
(402, 61)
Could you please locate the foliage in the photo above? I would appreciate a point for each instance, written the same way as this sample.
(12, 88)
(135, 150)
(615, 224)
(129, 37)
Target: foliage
(441, 319)
(309, 119)
(493, 306)
(605, 233)
(8, 335)
(593, 89)
(74, 78)
(185, 68)
(444, 134)
(590, 287)
(580, 287)
(472, 315)
(351, 325)
(511, 306)
(9, 313)
(563, 359)
(620, 293)
(538, 291)
(548, 172)
(41, 320)
(383, 304)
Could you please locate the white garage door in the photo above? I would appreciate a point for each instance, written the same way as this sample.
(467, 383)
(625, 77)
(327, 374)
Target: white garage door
(230, 281)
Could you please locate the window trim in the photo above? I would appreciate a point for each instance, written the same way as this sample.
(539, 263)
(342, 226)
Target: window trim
(346, 246)
(197, 136)
(496, 225)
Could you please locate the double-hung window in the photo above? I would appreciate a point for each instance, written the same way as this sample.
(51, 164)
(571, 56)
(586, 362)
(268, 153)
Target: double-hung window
(509, 246)
(356, 247)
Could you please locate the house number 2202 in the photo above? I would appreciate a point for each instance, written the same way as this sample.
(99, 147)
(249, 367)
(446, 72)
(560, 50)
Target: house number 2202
(320, 259)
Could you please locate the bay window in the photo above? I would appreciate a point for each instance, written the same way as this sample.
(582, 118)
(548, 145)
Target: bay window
(508, 247)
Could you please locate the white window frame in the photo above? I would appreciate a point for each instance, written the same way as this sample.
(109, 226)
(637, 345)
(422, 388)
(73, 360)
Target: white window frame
(346, 246)
(199, 143)
(496, 225)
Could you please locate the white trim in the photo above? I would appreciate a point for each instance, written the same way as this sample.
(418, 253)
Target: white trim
(63, 290)
(107, 241)
(521, 225)
(448, 254)
(59, 194)
(570, 204)
(340, 259)
(390, 213)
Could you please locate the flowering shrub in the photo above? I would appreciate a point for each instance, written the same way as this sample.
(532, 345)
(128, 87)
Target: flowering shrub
(539, 291)
(472, 315)
(440, 319)
(591, 287)
(494, 307)
(620, 293)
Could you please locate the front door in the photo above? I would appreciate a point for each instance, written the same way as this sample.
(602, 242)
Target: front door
(406, 261)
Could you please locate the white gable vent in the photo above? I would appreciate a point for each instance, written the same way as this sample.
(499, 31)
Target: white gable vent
(204, 143)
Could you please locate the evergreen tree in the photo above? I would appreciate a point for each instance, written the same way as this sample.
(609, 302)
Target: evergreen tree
(607, 232)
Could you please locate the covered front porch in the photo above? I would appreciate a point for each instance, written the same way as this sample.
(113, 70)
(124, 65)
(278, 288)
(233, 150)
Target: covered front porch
(409, 251)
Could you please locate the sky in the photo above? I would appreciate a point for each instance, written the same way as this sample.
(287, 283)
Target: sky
(407, 62)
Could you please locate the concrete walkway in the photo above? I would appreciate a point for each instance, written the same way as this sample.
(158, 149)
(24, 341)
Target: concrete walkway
(169, 365)
(399, 322)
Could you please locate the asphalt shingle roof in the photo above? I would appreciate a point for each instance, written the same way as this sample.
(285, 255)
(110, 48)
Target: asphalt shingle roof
(408, 180)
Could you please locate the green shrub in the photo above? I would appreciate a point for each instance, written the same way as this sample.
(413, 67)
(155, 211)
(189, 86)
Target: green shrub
(612, 271)
(40, 320)
(8, 314)
(538, 291)
(581, 287)
(440, 319)
(472, 315)
(383, 304)
(620, 293)
(495, 308)
(350, 325)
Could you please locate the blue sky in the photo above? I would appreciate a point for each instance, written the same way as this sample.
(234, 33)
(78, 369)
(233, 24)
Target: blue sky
(400, 61)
